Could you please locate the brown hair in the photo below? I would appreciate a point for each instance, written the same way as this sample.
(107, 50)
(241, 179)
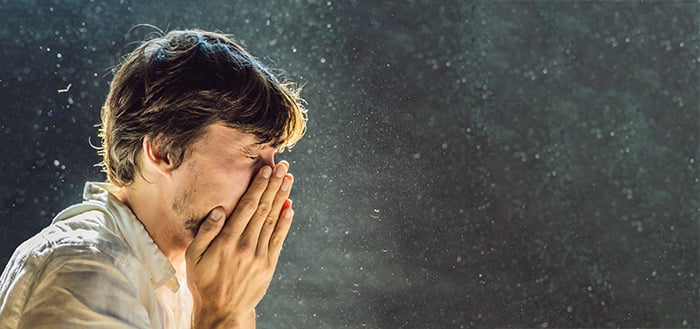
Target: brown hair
(172, 87)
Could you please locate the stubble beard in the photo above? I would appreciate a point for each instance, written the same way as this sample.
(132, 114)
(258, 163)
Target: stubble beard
(180, 206)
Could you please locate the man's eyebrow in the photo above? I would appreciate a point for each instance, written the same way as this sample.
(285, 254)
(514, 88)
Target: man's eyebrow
(250, 148)
(257, 145)
(263, 143)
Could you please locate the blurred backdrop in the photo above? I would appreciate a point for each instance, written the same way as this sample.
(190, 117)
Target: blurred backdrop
(467, 164)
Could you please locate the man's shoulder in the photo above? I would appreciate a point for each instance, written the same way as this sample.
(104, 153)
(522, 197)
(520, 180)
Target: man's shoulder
(84, 235)
(80, 262)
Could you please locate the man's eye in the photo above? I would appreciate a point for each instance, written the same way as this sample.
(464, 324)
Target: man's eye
(252, 157)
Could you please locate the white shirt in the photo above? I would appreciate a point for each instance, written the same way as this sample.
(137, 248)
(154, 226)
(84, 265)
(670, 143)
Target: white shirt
(95, 266)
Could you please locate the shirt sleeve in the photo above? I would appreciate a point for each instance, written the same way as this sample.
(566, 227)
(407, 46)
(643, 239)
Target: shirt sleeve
(85, 290)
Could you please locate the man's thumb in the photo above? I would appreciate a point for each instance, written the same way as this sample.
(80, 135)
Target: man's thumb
(212, 223)
(216, 214)
(208, 230)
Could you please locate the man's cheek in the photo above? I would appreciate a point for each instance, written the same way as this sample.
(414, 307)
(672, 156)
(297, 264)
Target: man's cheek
(238, 194)
(249, 179)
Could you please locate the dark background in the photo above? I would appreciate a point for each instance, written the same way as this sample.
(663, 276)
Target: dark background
(467, 164)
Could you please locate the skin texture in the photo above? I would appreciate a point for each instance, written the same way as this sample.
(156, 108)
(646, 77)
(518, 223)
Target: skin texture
(225, 211)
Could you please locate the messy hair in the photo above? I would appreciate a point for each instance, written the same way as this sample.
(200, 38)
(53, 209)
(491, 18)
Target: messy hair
(171, 87)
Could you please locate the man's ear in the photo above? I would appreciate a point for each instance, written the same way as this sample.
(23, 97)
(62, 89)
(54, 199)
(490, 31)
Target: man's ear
(155, 158)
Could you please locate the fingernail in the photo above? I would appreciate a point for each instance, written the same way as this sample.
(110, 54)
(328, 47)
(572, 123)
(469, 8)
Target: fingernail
(266, 172)
(285, 184)
(280, 171)
(288, 213)
(216, 214)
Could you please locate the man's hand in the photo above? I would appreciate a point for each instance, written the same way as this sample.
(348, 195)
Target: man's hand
(230, 262)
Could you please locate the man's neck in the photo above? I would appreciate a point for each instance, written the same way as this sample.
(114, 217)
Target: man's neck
(155, 217)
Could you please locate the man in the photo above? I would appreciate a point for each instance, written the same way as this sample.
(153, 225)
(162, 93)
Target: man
(188, 229)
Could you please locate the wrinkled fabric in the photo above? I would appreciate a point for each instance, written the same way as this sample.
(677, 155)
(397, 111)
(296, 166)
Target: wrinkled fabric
(95, 266)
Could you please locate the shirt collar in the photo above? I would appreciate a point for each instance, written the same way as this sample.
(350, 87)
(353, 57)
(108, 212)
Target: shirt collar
(134, 234)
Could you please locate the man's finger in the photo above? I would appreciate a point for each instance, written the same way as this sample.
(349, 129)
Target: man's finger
(287, 204)
(209, 229)
(248, 204)
(268, 202)
(280, 234)
(280, 204)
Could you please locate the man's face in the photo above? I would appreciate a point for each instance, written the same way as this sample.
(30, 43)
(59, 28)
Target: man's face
(215, 171)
